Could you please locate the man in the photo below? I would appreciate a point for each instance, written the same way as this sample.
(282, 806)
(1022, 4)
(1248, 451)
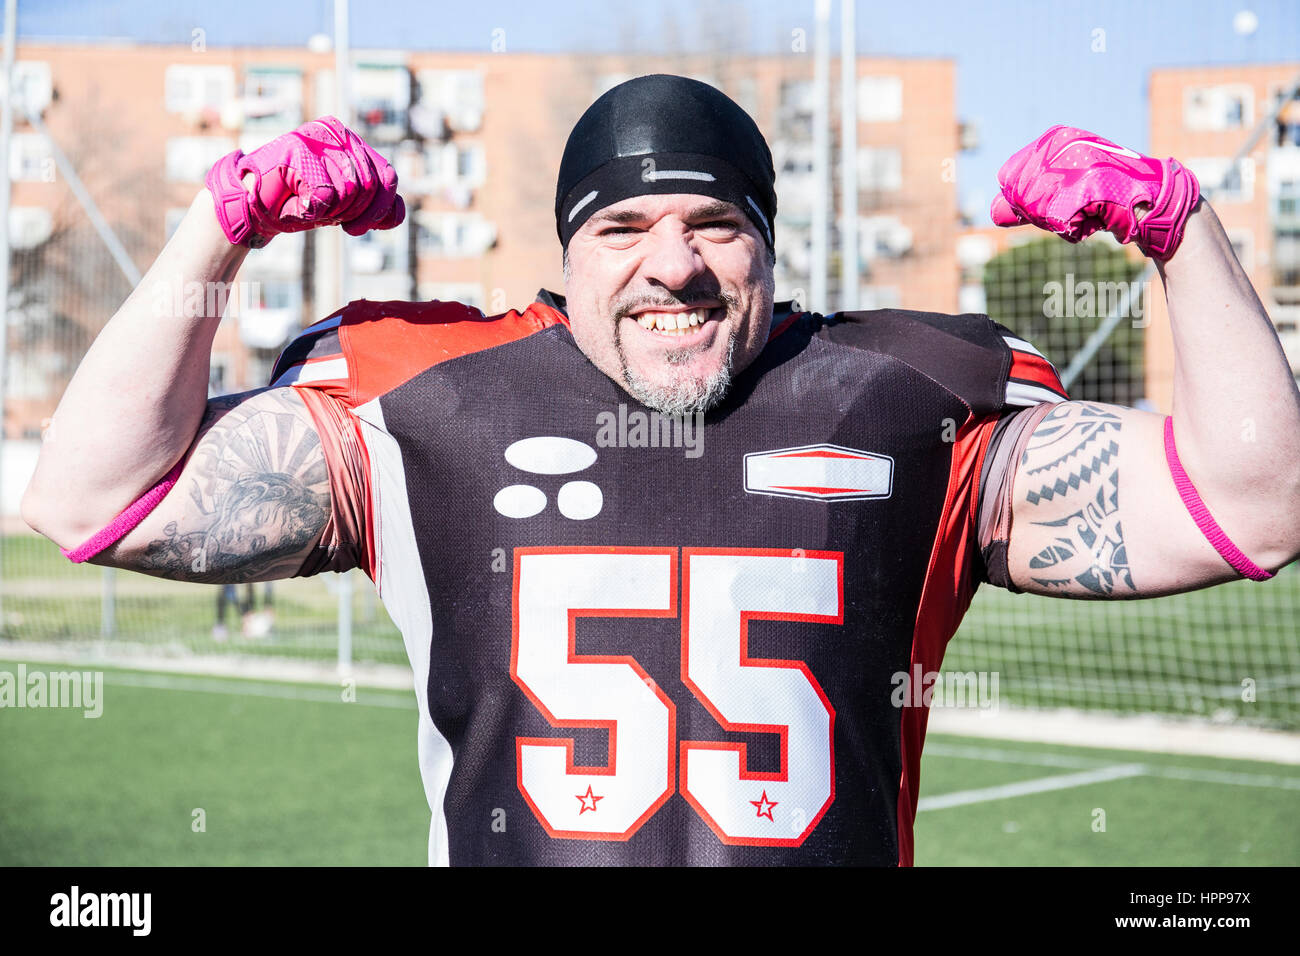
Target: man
(660, 549)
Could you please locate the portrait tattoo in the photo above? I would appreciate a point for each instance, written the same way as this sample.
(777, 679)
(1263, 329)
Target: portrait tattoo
(259, 495)
(1072, 461)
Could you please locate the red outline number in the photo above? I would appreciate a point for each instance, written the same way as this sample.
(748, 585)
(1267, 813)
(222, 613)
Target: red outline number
(555, 586)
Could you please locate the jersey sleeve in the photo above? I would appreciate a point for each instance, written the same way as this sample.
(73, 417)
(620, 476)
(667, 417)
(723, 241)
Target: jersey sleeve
(355, 356)
(1033, 387)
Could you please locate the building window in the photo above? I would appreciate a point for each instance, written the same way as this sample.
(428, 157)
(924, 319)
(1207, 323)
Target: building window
(29, 226)
(880, 168)
(883, 237)
(454, 235)
(880, 99)
(450, 100)
(1223, 181)
(1286, 259)
(33, 87)
(382, 94)
(193, 89)
(1228, 106)
(30, 158)
(190, 157)
(272, 98)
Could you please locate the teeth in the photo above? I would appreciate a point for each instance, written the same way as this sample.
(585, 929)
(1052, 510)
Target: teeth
(672, 323)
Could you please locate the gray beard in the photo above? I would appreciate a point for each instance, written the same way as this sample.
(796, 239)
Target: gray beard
(685, 396)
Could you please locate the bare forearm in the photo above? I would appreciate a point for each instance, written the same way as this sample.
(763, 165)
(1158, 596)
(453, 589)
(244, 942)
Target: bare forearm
(135, 403)
(1236, 406)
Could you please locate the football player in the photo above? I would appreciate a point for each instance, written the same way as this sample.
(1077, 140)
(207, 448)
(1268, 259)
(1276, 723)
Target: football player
(661, 548)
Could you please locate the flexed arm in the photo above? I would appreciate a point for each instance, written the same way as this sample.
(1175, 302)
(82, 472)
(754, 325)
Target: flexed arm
(136, 409)
(1096, 511)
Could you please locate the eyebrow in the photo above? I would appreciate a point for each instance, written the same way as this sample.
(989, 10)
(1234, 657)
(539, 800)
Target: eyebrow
(716, 208)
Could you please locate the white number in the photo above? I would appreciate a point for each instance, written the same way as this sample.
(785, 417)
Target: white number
(608, 802)
(725, 590)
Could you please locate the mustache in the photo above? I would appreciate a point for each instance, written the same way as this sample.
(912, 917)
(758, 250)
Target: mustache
(625, 306)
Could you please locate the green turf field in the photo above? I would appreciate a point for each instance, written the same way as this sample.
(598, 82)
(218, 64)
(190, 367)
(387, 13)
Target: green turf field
(291, 774)
(1188, 654)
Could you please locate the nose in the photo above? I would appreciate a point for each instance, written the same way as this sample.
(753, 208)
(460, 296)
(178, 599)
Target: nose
(672, 261)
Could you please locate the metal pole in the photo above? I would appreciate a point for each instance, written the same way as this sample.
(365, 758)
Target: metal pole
(343, 110)
(821, 156)
(105, 231)
(849, 266)
(1121, 309)
(6, 129)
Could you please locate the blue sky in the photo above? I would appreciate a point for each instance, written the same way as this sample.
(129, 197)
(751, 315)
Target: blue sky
(1022, 65)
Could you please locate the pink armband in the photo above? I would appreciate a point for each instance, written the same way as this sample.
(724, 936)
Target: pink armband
(1209, 527)
(134, 513)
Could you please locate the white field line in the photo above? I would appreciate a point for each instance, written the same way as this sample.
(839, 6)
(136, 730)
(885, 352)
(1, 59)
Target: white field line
(1143, 732)
(254, 689)
(1040, 759)
(1022, 788)
(252, 667)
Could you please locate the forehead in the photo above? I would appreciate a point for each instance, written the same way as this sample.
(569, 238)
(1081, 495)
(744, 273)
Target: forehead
(651, 209)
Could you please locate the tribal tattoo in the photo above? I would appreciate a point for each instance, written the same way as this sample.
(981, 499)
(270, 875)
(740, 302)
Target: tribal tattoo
(1072, 461)
(259, 494)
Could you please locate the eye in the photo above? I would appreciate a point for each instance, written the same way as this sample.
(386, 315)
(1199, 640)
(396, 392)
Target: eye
(716, 224)
(619, 231)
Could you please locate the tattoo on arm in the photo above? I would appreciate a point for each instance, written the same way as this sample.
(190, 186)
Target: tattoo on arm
(1072, 461)
(259, 493)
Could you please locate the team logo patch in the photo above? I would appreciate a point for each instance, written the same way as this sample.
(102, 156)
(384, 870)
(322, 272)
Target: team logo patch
(828, 472)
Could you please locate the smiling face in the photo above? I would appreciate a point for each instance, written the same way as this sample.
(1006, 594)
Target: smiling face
(670, 296)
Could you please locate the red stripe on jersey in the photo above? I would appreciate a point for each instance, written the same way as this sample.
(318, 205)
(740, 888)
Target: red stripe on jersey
(945, 596)
(785, 324)
(1033, 370)
(821, 454)
(389, 343)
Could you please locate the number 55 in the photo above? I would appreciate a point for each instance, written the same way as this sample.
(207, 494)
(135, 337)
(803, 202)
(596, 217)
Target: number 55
(723, 590)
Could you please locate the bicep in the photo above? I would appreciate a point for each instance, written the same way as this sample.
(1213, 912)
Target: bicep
(1095, 513)
(251, 501)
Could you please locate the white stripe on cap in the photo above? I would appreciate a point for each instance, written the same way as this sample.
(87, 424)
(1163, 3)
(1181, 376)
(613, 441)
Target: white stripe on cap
(582, 202)
(654, 175)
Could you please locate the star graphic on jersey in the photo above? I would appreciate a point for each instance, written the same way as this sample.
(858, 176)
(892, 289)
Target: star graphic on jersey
(764, 806)
(584, 797)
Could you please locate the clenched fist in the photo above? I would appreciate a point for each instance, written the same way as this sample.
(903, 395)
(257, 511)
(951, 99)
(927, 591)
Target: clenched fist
(1073, 183)
(320, 174)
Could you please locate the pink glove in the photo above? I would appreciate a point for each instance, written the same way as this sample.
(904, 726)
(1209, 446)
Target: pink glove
(320, 174)
(1073, 183)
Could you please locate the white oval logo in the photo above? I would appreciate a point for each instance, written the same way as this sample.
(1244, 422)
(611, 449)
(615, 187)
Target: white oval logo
(580, 500)
(519, 501)
(549, 455)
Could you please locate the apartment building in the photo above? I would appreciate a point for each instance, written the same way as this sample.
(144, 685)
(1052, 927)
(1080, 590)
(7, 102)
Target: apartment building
(476, 139)
(1205, 117)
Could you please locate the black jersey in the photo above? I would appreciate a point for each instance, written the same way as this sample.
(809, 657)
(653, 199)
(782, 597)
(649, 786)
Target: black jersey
(641, 640)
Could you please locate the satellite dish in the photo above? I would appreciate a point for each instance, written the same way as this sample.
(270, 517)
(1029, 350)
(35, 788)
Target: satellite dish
(320, 43)
(1245, 23)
